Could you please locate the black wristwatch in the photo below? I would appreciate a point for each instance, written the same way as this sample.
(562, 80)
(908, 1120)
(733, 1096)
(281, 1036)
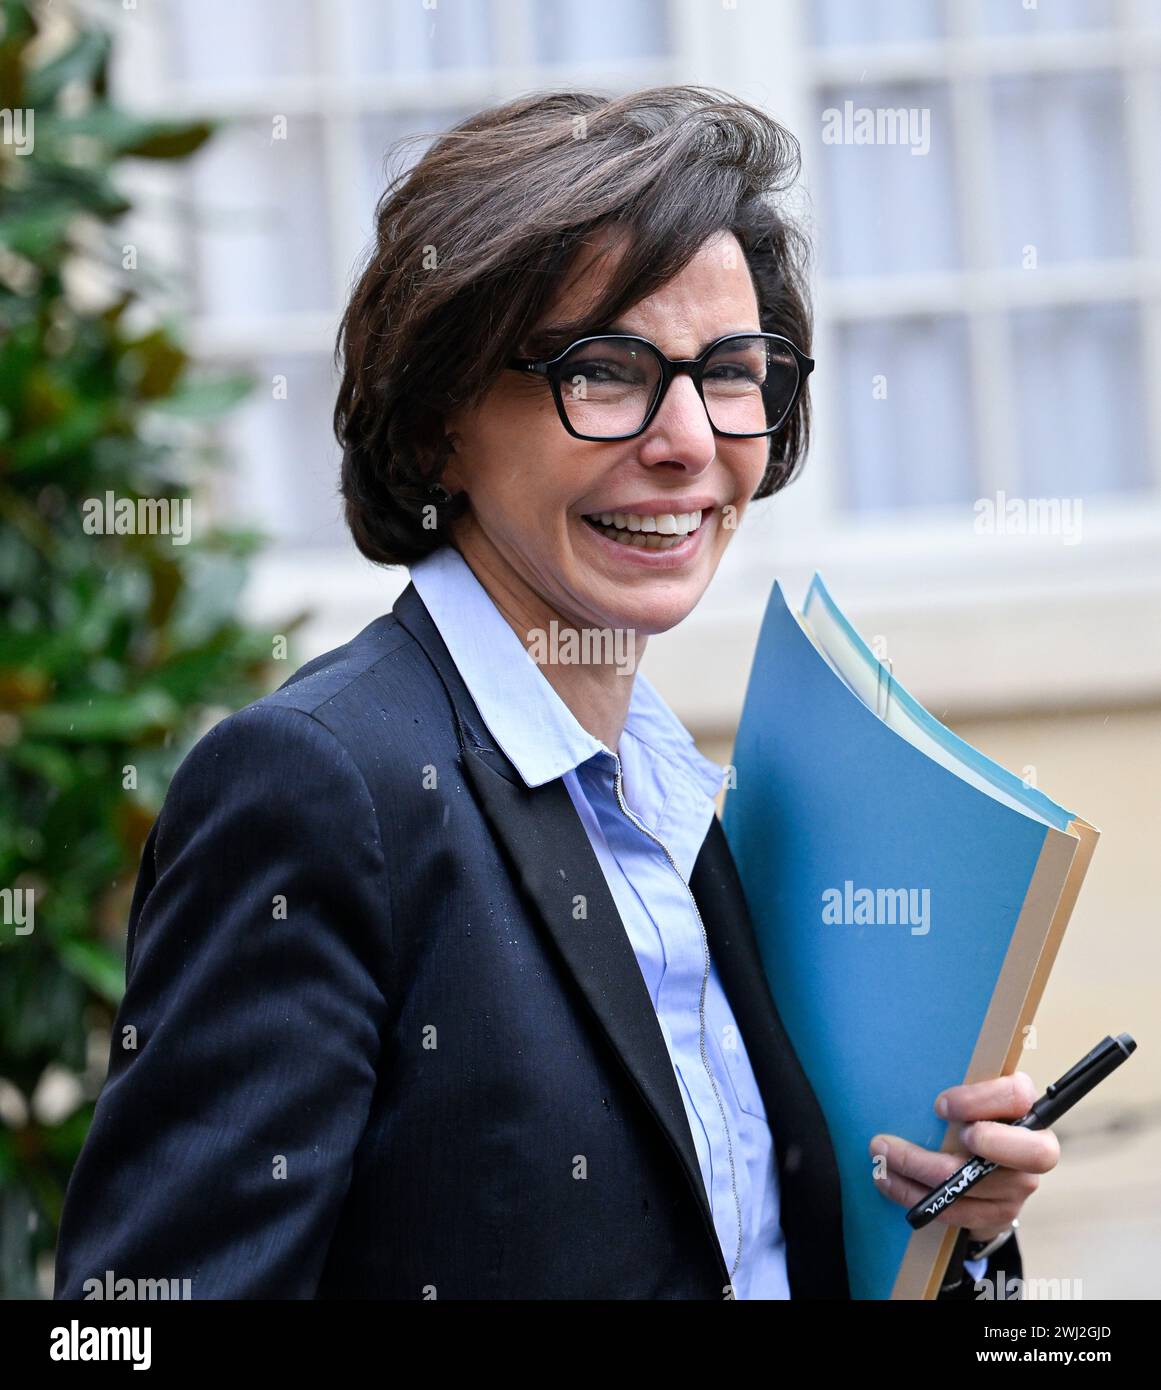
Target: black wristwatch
(977, 1249)
(967, 1249)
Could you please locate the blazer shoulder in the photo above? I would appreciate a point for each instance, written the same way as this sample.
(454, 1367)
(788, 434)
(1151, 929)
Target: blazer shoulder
(384, 659)
(373, 706)
(336, 675)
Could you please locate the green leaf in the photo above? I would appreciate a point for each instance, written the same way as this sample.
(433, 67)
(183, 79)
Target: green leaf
(100, 968)
(153, 365)
(45, 761)
(80, 62)
(51, 445)
(35, 230)
(205, 397)
(128, 134)
(103, 718)
(172, 141)
(60, 175)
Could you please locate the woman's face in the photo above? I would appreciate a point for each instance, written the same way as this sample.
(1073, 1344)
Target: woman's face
(531, 485)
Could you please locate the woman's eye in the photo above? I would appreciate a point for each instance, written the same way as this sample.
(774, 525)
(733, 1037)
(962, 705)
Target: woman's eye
(732, 371)
(602, 371)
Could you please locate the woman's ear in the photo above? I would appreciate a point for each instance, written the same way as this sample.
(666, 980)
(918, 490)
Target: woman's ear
(451, 478)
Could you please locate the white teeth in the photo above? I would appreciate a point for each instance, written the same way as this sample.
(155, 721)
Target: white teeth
(666, 524)
(651, 532)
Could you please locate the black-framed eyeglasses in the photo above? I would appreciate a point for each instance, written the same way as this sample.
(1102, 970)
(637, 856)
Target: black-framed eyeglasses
(611, 385)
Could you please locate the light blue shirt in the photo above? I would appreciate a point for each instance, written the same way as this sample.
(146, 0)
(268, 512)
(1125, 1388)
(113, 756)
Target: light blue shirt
(668, 786)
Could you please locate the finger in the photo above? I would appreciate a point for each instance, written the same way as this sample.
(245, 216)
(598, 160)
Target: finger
(1002, 1098)
(1006, 1185)
(1003, 1185)
(979, 1213)
(909, 1160)
(928, 1169)
(1032, 1150)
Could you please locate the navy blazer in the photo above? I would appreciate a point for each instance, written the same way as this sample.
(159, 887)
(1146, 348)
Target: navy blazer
(367, 1051)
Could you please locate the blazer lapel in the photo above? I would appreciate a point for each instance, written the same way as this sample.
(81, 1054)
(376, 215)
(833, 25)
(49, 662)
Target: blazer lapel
(556, 866)
(810, 1204)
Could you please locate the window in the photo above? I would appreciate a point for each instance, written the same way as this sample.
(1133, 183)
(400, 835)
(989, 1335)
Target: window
(988, 333)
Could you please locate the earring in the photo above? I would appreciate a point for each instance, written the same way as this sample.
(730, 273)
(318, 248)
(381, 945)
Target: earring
(439, 494)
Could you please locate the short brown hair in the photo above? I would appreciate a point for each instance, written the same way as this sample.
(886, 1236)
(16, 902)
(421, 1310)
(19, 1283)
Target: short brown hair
(473, 242)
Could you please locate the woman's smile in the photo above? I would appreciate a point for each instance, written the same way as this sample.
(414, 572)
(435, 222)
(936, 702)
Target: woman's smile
(651, 538)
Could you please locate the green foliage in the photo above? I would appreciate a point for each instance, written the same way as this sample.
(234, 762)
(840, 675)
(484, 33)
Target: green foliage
(116, 650)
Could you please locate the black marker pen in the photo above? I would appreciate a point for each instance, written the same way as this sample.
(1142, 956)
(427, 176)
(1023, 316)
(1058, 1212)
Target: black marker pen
(1062, 1095)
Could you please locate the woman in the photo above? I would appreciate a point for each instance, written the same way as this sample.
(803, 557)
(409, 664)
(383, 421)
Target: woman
(440, 981)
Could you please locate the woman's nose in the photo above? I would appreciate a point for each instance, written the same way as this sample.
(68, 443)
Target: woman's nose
(682, 419)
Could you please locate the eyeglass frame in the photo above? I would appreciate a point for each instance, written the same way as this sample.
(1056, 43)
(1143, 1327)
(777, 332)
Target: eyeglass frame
(549, 367)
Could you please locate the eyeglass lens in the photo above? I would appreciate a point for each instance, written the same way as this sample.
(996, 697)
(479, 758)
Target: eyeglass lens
(608, 385)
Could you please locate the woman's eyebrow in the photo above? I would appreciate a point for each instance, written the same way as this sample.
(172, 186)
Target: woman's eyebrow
(543, 341)
(725, 333)
(549, 339)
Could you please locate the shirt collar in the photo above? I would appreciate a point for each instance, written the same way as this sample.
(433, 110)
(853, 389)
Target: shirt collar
(533, 726)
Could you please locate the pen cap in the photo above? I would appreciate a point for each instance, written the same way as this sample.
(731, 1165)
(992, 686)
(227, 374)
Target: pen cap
(1079, 1080)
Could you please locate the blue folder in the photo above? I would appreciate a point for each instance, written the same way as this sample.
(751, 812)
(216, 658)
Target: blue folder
(908, 902)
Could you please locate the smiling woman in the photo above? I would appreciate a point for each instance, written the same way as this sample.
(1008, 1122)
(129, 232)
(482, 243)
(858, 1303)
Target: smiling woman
(441, 981)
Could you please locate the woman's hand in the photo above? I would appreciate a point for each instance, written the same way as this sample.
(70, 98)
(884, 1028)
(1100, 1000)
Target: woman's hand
(995, 1201)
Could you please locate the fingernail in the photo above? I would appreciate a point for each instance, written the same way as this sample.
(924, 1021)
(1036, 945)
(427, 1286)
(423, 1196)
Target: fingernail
(941, 1107)
(879, 1145)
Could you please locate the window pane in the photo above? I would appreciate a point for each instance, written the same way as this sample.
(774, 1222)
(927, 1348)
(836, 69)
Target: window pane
(403, 37)
(601, 29)
(1080, 400)
(1049, 16)
(907, 437)
(835, 22)
(884, 160)
(260, 239)
(289, 485)
(1061, 177)
(221, 41)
